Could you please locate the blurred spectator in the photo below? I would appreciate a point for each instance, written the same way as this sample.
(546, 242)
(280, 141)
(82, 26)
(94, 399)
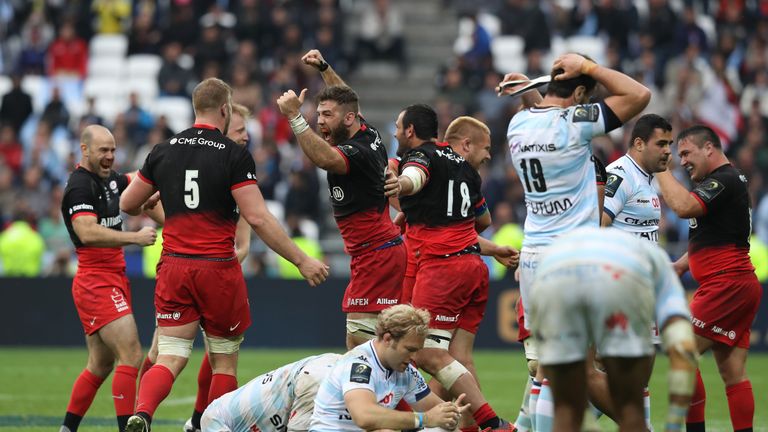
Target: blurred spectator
(310, 246)
(210, 49)
(477, 60)
(16, 105)
(688, 32)
(252, 16)
(267, 160)
(506, 232)
(34, 192)
(173, 79)
(58, 247)
(327, 43)
(55, 112)
(7, 194)
(583, 20)
(183, 27)
(11, 152)
(659, 31)
(216, 16)
(34, 49)
(303, 198)
(455, 91)
(21, 247)
(525, 18)
(90, 116)
(144, 37)
(380, 36)
(718, 107)
(245, 90)
(138, 121)
(756, 91)
(68, 54)
(247, 57)
(112, 16)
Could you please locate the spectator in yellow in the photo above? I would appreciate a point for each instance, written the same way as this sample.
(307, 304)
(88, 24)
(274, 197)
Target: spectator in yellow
(21, 248)
(758, 254)
(311, 247)
(112, 15)
(507, 233)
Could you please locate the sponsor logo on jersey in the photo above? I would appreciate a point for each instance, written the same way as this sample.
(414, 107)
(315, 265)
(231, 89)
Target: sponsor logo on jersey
(693, 223)
(386, 301)
(538, 148)
(698, 323)
(357, 302)
(173, 315)
(198, 141)
(79, 207)
(451, 156)
(360, 373)
(337, 193)
(446, 318)
(110, 222)
(730, 334)
(641, 222)
(118, 300)
(549, 208)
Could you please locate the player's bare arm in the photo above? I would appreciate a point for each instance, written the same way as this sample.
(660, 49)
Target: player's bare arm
(507, 256)
(678, 198)
(628, 97)
(315, 59)
(483, 221)
(411, 181)
(315, 147)
(135, 195)
(369, 415)
(242, 239)
(92, 234)
(681, 265)
(254, 210)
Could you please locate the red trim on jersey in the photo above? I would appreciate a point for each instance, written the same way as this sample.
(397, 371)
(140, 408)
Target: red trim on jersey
(701, 201)
(441, 143)
(129, 177)
(363, 127)
(242, 183)
(366, 230)
(76, 215)
(346, 159)
(144, 179)
(600, 183)
(100, 258)
(710, 261)
(204, 126)
(481, 203)
(430, 242)
(420, 166)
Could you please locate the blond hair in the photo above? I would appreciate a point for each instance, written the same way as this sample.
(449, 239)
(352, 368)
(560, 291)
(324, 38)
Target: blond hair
(210, 94)
(402, 319)
(466, 127)
(241, 109)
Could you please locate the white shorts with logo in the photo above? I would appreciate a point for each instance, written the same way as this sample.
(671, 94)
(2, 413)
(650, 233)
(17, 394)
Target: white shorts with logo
(529, 260)
(573, 306)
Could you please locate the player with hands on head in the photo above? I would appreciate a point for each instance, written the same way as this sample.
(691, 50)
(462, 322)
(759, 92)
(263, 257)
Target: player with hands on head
(354, 156)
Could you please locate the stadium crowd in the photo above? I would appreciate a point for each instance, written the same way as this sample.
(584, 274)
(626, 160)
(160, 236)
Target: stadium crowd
(705, 61)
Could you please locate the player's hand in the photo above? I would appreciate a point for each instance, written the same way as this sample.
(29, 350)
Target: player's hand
(315, 59)
(571, 65)
(146, 236)
(290, 104)
(391, 184)
(507, 256)
(314, 271)
(512, 76)
(517, 274)
(152, 201)
(680, 267)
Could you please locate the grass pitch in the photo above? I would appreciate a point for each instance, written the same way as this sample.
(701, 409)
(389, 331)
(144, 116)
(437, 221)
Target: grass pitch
(35, 385)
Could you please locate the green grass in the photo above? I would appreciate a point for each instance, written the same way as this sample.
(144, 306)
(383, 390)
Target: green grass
(35, 386)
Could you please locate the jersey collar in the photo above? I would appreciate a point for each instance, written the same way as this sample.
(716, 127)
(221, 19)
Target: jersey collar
(642, 171)
(204, 126)
(375, 356)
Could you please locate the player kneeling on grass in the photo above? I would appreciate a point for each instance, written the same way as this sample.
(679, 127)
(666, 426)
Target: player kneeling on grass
(602, 287)
(280, 400)
(362, 390)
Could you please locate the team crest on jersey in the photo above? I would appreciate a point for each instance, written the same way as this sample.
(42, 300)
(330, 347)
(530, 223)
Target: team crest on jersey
(113, 186)
(360, 373)
(612, 184)
(709, 189)
(586, 113)
(349, 150)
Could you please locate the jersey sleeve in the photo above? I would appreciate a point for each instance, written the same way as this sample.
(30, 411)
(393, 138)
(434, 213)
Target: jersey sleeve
(418, 158)
(479, 204)
(670, 295)
(417, 387)
(353, 156)
(357, 374)
(243, 168)
(80, 200)
(616, 193)
(710, 191)
(593, 119)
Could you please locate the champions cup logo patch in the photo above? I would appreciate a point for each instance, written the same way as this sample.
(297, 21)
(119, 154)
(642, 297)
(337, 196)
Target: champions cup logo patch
(612, 185)
(360, 373)
(709, 189)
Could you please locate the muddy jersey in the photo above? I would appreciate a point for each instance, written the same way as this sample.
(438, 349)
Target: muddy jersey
(357, 196)
(441, 216)
(719, 240)
(196, 171)
(631, 199)
(88, 194)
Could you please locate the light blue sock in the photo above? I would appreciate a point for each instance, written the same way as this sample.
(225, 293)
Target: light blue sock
(532, 400)
(523, 422)
(545, 409)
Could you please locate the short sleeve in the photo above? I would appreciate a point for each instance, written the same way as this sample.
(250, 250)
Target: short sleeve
(710, 191)
(616, 193)
(122, 182)
(243, 169)
(357, 374)
(80, 200)
(417, 387)
(593, 120)
(418, 158)
(353, 156)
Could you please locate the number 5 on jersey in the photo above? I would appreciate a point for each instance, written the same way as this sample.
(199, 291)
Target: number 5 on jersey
(191, 189)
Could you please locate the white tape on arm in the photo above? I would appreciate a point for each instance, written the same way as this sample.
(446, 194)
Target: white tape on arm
(416, 176)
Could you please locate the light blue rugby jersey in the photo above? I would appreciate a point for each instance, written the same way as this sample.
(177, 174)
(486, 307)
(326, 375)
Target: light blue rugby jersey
(361, 368)
(550, 149)
(646, 263)
(631, 199)
(266, 401)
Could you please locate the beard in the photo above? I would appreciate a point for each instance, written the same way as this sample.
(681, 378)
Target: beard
(339, 135)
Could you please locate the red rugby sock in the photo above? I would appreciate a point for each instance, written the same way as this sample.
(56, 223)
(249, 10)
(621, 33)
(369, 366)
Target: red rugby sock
(698, 402)
(124, 389)
(154, 387)
(485, 414)
(221, 384)
(145, 367)
(83, 391)
(204, 377)
(741, 403)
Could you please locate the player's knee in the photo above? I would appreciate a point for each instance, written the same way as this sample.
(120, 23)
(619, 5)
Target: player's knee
(533, 367)
(169, 345)
(448, 375)
(218, 345)
(435, 354)
(100, 367)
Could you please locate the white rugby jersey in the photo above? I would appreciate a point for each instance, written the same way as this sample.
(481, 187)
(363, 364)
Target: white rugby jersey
(360, 368)
(550, 149)
(265, 403)
(631, 199)
(608, 249)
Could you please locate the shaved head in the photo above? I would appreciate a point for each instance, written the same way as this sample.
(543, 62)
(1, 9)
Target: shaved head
(95, 133)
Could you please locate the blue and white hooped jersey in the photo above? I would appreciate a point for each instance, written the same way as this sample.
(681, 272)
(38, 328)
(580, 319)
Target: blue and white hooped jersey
(550, 149)
(266, 401)
(360, 368)
(611, 249)
(632, 200)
